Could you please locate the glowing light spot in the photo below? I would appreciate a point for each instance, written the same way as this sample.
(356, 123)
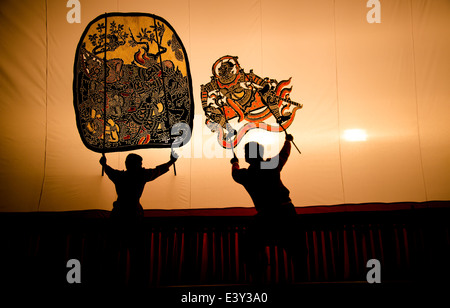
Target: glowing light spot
(354, 135)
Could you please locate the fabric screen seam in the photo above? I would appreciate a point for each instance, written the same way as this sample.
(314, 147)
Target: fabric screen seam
(337, 100)
(417, 101)
(46, 108)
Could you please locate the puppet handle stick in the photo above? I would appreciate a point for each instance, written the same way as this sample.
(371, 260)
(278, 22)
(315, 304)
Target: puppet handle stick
(105, 64)
(162, 73)
(173, 159)
(285, 131)
(292, 141)
(232, 149)
(103, 166)
(296, 146)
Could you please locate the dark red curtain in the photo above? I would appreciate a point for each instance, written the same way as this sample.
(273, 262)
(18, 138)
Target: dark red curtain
(411, 244)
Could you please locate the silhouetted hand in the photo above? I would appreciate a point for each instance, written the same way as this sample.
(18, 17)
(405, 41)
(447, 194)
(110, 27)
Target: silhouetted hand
(103, 161)
(289, 137)
(234, 159)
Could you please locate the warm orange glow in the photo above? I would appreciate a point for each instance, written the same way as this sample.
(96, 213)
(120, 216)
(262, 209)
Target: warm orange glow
(355, 135)
(373, 127)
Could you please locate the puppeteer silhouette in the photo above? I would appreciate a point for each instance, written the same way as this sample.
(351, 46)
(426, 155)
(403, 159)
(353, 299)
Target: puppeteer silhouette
(130, 185)
(276, 221)
(126, 234)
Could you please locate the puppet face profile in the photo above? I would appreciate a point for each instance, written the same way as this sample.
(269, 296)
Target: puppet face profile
(132, 83)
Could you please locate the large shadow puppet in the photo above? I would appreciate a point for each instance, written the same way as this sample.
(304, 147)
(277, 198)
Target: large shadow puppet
(132, 83)
(235, 102)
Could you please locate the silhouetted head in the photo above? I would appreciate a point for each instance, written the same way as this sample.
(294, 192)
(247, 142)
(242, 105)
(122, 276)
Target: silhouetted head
(254, 153)
(133, 162)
